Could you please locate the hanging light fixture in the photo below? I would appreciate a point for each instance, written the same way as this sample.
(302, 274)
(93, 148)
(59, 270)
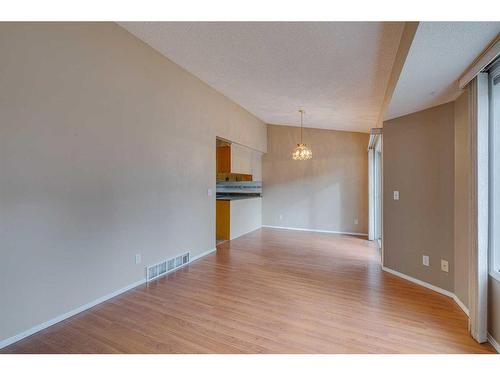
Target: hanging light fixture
(302, 152)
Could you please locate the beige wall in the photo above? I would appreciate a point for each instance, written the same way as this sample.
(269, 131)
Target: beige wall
(462, 200)
(107, 149)
(419, 163)
(414, 153)
(326, 193)
(245, 216)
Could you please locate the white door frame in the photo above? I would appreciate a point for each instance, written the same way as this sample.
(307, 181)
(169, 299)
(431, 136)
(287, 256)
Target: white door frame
(478, 271)
(371, 194)
(378, 189)
(375, 184)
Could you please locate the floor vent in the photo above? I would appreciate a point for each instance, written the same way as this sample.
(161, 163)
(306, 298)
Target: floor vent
(166, 266)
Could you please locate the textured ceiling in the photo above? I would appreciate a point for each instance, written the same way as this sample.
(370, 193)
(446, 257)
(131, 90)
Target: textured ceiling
(439, 55)
(337, 71)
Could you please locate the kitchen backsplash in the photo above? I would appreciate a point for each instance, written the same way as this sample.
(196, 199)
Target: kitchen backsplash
(233, 177)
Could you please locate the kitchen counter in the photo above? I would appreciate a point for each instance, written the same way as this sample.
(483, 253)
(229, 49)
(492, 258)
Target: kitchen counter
(235, 197)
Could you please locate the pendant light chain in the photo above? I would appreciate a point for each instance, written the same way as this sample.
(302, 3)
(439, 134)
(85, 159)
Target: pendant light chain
(301, 123)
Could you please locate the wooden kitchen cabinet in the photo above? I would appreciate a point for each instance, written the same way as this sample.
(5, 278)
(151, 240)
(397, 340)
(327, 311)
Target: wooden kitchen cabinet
(223, 220)
(224, 159)
(241, 159)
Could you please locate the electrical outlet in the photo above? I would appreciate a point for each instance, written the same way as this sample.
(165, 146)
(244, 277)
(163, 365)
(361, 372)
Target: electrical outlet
(444, 265)
(356, 221)
(425, 260)
(209, 192)
(281, 217)
(138, 258)
(395, 195)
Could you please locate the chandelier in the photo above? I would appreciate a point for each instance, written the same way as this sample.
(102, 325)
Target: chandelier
(302, 152)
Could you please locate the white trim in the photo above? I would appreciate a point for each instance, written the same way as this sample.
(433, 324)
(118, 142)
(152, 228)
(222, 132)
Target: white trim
(381, 234)
(242, 234)
(419, 282)
(375, 134)
(429, 286)
(494, 181)
(371, 193)
(478, 267)
(202, 255)
(460, 304)
(69, 314)
(374, 183)
(316, 230)
(487, 56)
(494, 343)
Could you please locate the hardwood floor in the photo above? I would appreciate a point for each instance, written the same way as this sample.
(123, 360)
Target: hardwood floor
(271, 291)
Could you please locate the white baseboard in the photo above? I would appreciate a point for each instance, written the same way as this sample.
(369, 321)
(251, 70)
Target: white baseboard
(429, 286)
(242, 234)
(203, 254)
(60, 318)
(316, 230)
(460, 304)
(494, 343)
(419, 282)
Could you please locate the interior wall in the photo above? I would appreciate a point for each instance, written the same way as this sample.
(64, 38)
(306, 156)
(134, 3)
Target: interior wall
(107, 150)
(419, 163)
(462, 199)
(245, 216)
(328, 192)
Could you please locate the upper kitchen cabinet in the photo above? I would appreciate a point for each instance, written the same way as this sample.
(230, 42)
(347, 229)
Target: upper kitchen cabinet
(244, 160)
(224, 159)
(239, 162)
(241, 159)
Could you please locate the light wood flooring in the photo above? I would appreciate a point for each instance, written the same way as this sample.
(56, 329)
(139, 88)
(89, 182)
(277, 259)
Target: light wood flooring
(271, 291)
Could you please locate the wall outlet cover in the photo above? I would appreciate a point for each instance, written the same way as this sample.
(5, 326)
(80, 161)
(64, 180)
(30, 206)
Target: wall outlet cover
(444, 265)
(356, 221)
(138, 258)
(396, 195)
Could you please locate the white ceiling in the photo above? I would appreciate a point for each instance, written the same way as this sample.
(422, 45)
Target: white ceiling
(438, 56)
(337, 71)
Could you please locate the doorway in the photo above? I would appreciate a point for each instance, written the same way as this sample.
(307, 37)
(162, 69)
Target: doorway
(375, 184)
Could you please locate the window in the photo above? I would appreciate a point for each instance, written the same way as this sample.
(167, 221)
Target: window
(494, 167)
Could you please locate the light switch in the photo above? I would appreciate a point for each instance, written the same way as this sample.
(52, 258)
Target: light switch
(396, 195)
(425, 260)
(209, 192)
